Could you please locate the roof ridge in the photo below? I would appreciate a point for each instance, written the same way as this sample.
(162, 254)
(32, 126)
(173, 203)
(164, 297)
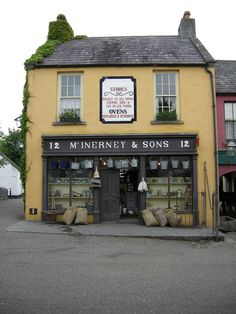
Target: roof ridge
(202, 50)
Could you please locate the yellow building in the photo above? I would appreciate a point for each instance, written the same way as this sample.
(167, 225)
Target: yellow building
(108, 112)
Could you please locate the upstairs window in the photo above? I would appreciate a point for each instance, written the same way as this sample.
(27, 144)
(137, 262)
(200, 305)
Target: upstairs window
(70, 97)
(230, 121)
(166, 96)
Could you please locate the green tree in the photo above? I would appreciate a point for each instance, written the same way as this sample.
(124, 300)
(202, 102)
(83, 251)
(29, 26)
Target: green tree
(11, 145)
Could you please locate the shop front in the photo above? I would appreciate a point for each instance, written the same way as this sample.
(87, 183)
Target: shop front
(103, 172)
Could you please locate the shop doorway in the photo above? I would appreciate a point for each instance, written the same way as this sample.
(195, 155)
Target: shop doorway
(128, 193)
(110, 195)
(118, 194)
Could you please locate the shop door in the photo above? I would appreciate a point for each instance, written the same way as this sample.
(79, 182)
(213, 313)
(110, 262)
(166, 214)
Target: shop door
(110, 195)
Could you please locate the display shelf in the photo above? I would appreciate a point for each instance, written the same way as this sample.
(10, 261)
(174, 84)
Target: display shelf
(74, 190)
(167, 192)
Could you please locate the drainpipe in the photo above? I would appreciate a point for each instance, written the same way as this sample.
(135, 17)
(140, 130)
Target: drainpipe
(215, 143)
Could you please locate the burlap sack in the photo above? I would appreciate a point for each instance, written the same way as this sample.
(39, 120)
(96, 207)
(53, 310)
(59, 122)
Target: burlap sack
(69, 215)
(81, 216)
(160, 217)
(173, 219)
(149, 219)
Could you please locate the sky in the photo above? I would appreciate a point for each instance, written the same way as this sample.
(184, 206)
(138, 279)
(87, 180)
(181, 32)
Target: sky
(24, 27)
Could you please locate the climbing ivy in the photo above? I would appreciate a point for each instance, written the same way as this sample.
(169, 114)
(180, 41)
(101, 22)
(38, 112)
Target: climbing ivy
(59, 32)
(24, 125)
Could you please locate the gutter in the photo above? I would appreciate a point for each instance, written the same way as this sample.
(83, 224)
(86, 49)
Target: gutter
(215, 142)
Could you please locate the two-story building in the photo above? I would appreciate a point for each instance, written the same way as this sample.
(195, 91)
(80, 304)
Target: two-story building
(226, 121)
(118, 110)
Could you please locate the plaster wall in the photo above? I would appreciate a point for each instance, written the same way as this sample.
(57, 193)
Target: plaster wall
(195, 106)
(10, 179)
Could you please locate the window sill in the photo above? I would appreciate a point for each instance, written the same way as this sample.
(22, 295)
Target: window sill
(154, 122)
(58, 123)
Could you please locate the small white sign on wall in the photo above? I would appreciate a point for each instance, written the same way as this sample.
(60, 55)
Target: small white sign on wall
(117, 99)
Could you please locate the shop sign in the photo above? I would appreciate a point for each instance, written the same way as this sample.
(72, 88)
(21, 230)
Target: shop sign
(102, 145)
(117, 99)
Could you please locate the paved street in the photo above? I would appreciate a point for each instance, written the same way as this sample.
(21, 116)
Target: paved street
(69, 273)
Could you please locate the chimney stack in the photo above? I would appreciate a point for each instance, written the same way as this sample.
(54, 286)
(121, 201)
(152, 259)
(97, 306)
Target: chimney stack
(187, 26)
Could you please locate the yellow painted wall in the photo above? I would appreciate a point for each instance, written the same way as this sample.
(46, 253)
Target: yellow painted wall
(195, 112)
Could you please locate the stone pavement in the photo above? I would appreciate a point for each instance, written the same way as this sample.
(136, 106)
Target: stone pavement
(117, 229)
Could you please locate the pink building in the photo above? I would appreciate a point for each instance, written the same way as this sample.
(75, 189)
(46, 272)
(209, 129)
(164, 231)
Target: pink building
(226, 123)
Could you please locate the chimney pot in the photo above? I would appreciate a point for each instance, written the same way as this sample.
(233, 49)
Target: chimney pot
(187, 15)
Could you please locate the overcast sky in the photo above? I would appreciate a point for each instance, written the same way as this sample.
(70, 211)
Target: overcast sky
(24, 27)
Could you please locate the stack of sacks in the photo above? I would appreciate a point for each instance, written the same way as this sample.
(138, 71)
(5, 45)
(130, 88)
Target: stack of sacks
(159, 217)
(77, 215)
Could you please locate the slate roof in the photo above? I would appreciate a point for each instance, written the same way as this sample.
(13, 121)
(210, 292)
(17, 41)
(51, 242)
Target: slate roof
(130, 50)
(225, 73)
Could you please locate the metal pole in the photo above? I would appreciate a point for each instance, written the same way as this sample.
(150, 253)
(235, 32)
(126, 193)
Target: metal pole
(213, 212)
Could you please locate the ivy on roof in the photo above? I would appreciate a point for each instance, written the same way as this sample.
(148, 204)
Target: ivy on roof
(59, 32)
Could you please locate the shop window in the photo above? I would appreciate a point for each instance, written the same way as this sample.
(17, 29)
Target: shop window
(69, 183)
(169, 182)
(166, 96)
(230, 121)
(70, 102)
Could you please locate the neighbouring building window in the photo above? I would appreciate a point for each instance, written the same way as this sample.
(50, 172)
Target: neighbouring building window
(230, 120)
(70, 97)
(166, 96)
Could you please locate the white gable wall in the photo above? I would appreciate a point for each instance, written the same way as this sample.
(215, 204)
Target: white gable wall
(10, 179)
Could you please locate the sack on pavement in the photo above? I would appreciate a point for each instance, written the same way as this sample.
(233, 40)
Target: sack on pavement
(149, 219)
(81, 216)
(160, 217)
(173, 219)
(69, 215)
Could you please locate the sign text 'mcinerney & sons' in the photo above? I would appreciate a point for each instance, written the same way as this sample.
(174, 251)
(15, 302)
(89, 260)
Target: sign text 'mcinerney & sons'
(119, 145)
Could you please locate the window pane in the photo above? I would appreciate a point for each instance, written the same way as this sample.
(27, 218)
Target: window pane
(70, 91)
(68, 104)
(234, 110)
(229, 130)
(165, 78)
(228, 111)
(77, 90)
(159, 89)
(172, 78)
(63, 91)
(64, 80)
(165, 103)
(159, 78)
(70, 80)
(172, 103)
(159, 104)
(172, 90)
(77, 80)
(234, 130)
(165, 90)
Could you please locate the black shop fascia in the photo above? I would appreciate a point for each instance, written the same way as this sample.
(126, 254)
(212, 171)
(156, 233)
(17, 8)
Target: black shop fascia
(167, 163)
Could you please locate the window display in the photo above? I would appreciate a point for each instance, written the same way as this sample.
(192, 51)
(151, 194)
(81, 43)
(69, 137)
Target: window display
(169, 182)
(69, 182)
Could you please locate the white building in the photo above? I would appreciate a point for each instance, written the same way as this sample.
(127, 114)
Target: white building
(10, 177)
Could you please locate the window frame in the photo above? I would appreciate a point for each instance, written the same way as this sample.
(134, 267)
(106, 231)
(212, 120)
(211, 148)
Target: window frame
(231, 121)
(176, 95)
(60, 97)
